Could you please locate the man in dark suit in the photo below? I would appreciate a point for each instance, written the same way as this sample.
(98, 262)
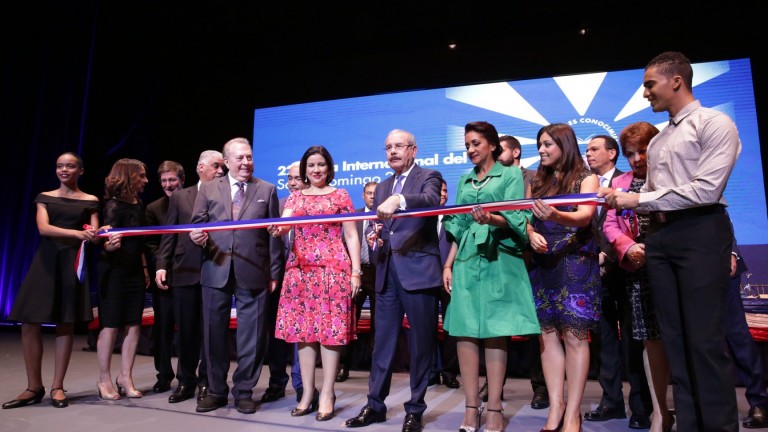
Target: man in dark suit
(279, 350)
(171, 179)
(745, 353)
(245, 263)
(408, 280)
(447, 364)
(367, 282)
(615, 351)
(178, 263)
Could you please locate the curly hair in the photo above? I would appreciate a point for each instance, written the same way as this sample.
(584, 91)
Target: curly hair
(122, 176)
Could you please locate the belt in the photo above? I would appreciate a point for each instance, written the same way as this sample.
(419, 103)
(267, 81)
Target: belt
(663, 217)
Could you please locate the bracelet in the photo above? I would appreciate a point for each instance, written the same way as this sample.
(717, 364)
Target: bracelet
(355, 275)
(357, 272)
(448, 268)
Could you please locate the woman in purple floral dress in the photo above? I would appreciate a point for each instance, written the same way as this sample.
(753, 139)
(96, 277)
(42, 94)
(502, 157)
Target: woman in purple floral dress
(316, 306)
(564, 273)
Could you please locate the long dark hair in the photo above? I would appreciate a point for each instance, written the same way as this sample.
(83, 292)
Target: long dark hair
(560, 179)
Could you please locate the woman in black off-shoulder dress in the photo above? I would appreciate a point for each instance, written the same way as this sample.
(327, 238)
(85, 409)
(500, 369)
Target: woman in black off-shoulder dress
(51, 291)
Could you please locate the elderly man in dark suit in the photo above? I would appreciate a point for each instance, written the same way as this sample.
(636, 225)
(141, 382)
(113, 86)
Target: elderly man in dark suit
(408, 281)
(178, 266)
(245, 263)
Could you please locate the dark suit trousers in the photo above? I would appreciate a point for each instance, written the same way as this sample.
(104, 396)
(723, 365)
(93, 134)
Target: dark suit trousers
(447, 356)
(279, 351)
(251, 337)
(163, 332)
(746, 356)
(187, 303)
(421, 307)
(620, 351)
(688, 265)
(367, 290)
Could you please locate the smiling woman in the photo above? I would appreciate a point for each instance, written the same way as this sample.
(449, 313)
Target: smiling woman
(564, 272)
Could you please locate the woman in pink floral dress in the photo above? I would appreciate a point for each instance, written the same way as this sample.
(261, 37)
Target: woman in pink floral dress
(316, 306)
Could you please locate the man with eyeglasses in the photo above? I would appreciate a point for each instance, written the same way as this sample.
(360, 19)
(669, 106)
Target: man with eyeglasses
(408, 280)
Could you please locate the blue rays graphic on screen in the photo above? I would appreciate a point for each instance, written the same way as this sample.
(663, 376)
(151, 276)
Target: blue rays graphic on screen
(354, 129)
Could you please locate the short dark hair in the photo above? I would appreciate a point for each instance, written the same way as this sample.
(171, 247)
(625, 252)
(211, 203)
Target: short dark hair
(171, 166)
(488, 131)
(610, 144)
(328, 160)
(513, 142)
(670, 63)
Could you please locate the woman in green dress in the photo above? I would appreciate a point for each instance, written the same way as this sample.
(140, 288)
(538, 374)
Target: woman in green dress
(491, 297)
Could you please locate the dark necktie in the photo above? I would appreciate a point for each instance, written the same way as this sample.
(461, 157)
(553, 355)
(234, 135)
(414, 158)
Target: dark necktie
(398, 185)
(364, 257)
(237, 200)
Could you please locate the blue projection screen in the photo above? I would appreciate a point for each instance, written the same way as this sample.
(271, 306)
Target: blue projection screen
(354, 129)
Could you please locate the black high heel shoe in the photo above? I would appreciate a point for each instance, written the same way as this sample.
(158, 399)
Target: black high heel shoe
(59, 403)
(298, 412)
(560, 425)
(479, 409)
(35, 399)
(320, 416)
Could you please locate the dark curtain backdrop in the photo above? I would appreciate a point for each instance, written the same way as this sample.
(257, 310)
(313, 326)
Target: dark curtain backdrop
(106, 82)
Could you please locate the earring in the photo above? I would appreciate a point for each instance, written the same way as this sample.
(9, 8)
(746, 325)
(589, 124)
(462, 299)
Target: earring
(306, 179)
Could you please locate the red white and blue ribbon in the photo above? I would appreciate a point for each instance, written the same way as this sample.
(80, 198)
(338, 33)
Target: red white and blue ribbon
(494, 206)
(80, 258)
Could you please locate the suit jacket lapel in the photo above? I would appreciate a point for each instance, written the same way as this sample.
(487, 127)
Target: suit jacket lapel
(250, 192)
(225, 189)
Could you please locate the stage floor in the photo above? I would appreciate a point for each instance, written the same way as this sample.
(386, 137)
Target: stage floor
(154, 413)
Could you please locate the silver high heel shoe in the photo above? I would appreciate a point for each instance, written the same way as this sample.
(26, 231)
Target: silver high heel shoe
(479, 409)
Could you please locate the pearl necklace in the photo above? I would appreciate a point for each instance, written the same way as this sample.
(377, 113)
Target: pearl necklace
(481, 184)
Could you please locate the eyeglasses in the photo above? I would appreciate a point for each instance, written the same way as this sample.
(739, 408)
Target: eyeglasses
(397, 147)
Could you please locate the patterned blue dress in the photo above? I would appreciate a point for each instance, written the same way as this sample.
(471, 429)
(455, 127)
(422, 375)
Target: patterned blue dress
(566, 279)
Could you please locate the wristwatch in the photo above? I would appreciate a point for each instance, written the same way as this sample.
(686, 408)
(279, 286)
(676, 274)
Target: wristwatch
(357, 272)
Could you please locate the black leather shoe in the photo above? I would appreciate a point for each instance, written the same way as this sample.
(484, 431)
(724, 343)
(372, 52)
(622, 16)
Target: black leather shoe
(182, 393)
(202, 392)
(603, 413)
(210, 403)
(434, 379)
(161, 386)
(37, 396)
(367, 416)
(343, 375)
(639, 422)
(412, 423)
(540, 399)
(483, 394)
(450, 381)
(273, 393)
(757, 419)
(59, 403)
(245, 406)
